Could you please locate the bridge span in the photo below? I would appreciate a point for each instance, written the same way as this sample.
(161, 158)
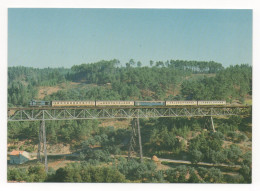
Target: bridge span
(75, 113)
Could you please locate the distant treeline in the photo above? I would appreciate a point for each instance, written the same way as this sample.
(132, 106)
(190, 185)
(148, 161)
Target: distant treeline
(174, 79)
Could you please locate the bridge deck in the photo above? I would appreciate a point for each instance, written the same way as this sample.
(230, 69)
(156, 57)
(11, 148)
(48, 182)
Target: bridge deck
(73, 113)
(126, 107)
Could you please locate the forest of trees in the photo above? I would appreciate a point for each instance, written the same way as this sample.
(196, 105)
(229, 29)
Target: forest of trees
(235, 82)
(189, 139)
(134, 82)
(173, 138)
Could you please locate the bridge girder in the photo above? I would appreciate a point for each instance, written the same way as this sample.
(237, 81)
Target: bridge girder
(35, 114)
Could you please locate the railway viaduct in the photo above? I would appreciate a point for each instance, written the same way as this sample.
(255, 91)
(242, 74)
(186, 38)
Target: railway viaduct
(43, 114)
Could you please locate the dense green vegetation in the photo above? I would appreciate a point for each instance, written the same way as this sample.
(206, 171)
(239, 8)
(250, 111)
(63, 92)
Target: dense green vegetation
(115, 82)
(23, 82)
(174, 138)
(124, 171)
(99, 148)
(235, 82)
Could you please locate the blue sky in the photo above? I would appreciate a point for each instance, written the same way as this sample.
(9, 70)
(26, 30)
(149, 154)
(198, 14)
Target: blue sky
(67, 37)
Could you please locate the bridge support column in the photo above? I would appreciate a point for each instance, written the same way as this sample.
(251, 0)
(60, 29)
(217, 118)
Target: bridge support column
(212, 123)
(42, 140)
(132, 143)
(44, 146)
(40, 144)
(140, 139)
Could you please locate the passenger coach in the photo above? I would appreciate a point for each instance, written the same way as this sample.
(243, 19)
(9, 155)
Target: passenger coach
(114, 103)
(72, 103)
(181, 103)
(211, 102)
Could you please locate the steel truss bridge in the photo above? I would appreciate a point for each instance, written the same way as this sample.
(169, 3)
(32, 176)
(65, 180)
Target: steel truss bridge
(74, 113)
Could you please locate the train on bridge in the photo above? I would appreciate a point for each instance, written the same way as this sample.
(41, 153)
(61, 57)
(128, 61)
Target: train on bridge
(88, 103)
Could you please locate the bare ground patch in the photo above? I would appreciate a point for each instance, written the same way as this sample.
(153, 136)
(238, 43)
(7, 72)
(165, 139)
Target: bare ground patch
(123, 123)
(60, 163)
(44, 91)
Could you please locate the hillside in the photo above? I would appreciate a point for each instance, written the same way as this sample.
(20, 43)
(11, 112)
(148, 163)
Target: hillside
(97, 142)
(106, 81)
